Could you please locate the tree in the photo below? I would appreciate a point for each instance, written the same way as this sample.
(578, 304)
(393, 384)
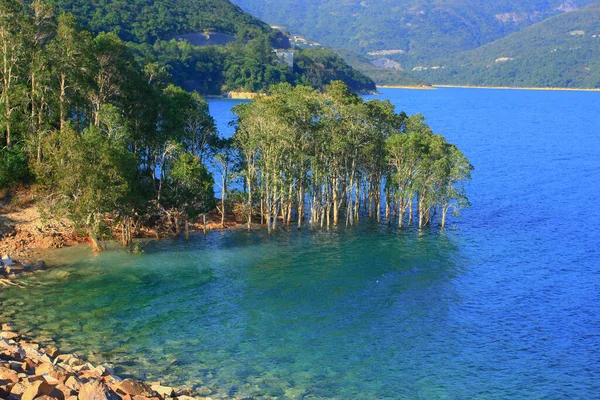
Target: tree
(223, 160)
(189, 191)
(13, 62)
(40, 80)
(91, 175)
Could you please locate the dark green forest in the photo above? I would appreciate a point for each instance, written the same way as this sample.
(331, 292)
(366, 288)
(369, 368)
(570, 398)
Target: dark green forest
(150, 29)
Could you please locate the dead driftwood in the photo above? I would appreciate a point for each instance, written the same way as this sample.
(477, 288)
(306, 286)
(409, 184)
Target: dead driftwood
(8, 282)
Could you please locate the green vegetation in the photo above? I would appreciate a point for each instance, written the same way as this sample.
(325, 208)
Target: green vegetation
(425, 30)
(146, 21)
(326, 156)
(103, 138)
(457, 42)
(113, 145)
(381, 76)
(151, 28)
(559, 52)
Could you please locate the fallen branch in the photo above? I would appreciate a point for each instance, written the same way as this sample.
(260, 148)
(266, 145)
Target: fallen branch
(6, 283)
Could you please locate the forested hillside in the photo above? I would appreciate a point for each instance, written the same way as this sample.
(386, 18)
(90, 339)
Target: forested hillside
(247, 64)
(422, 29)
(147, 21)
(562, 51)
(452, 41)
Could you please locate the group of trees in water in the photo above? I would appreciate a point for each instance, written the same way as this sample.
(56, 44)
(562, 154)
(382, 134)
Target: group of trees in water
(112, 145)
(324, 157)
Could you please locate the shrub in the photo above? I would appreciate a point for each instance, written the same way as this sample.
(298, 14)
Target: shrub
(13, 167)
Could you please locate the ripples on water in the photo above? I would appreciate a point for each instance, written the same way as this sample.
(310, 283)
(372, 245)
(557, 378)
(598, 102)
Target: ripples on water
(506, 304)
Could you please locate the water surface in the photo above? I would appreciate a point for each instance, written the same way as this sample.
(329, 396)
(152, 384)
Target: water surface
(505, 304)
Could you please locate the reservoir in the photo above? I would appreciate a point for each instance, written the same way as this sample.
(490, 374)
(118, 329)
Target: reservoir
(505, 304)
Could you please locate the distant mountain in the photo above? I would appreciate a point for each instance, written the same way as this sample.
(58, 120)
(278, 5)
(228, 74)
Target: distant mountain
(421, 29)
(456, 41)
(147, 20)
(562, 51)
(225, 48)
(383, 71)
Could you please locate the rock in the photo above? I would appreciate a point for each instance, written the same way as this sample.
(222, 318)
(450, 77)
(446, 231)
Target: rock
(18, 389)
(73, 383)
(95, 390)
(51, 380)
(18, 366)
(34, 378)
(8, 328)
(204, 391)
(51, 351)
(164, 391)
(65, 391)
(135, 388)
(37, 388)
(32, 353)
(7, 374)
(185, 398)
(9, 335)
(30, 345)
(83, 367)
(44, 368)
(41, 265)
(112, 380)
(4, 391)
(101, 370)
(7, 261)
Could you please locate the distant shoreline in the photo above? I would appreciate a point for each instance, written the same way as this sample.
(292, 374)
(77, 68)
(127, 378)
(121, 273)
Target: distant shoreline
(415, 87)
(518, 88)
(488, 87)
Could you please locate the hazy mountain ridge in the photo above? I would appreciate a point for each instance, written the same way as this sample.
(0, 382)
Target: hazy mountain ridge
(453, 41)
(562, 51)
(422, 29)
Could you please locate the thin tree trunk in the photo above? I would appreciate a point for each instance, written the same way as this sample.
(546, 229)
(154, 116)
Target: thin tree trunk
(223, 192)
(444, 213)
(249, 205)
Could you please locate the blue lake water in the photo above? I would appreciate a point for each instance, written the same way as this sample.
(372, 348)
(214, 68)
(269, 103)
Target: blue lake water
(504, 305)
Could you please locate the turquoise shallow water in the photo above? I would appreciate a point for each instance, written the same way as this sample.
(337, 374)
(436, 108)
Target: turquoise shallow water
(504, 305)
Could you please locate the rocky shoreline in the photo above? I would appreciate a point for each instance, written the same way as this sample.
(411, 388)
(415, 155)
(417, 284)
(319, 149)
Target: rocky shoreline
(29, 371)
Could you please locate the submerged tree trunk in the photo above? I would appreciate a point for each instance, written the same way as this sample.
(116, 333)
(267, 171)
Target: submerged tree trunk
(444, 214)
(95, 242)
(249, 205)
(300, 208)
